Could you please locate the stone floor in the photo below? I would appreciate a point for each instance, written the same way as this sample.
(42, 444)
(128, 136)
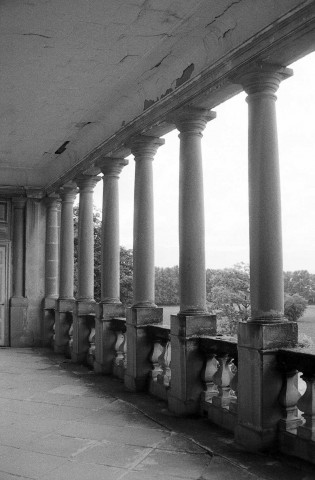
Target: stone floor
(59, 421)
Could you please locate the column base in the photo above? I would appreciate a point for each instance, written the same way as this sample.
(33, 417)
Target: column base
(105, 337)
(138, 345)
(49, 303)
(187, 363)
(260, 381)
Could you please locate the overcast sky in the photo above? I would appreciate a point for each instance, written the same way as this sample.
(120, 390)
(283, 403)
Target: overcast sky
(225, 181)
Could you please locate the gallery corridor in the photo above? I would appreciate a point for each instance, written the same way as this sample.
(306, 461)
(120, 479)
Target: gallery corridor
(62, 421)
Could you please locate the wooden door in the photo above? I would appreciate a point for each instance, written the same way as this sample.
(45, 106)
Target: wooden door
(4, 334)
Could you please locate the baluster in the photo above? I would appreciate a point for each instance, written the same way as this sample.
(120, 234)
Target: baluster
(158, 351)
(167, 365)
(288, 399)
(120, 349)
(234, 386)
(70, 340)
(91, 351)
(210, 368)
(307, 405)
(222, 378)
(125, 351)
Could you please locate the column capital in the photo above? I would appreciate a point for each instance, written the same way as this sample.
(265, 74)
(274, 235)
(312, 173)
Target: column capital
(68, 192)
(112, 166)
(19, 202)
(263, 78)
(53, 201)
(87, 183)
(192, 120)
(144, 146)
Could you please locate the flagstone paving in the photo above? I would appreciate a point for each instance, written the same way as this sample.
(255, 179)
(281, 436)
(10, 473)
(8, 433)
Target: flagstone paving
(60, 421)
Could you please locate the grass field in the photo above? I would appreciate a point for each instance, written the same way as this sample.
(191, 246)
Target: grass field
(306, 323)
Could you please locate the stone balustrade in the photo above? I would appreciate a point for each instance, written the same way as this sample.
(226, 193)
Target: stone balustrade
(297, 427)
(160, 379)
(219, 375)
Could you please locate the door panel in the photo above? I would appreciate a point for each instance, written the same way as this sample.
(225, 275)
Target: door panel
(3, 295)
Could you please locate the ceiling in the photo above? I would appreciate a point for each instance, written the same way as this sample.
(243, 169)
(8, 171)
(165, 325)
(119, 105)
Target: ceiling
(79, 76)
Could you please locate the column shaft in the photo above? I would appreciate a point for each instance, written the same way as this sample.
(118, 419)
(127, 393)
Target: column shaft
(192, 277)
(68, 194)
(144, 149)
(86, 185)
(266, 265)
(52, 248)
(110, 268)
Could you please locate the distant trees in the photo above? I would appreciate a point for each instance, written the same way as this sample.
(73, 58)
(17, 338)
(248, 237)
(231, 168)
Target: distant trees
(300, 282)
(228, 296)
(126, 260)
(166, 286)
(228, 290)
(294, 307)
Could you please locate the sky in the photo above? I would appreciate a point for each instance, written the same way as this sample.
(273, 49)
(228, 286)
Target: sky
(224, 148)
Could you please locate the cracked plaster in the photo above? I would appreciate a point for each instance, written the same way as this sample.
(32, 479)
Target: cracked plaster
(76, 63)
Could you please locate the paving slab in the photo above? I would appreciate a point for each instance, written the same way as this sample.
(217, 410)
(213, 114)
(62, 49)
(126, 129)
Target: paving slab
(60, 421)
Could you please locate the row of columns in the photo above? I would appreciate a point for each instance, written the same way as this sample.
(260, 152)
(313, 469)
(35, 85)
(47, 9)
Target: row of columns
(266, 329)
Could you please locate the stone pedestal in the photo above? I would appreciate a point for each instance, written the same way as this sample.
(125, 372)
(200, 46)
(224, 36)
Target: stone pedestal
(83, 316)
(105, 338)
(186, 362)
(260, 381)
(18, 320)
(63, 320)
(49, 306)
(138, 346)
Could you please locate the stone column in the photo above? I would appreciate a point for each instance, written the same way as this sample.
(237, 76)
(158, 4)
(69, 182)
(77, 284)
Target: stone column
(192, 269)
(86, 184)
(51, 268)
(18, 302)
(192, 319)
(65, 303)
(110, 305)
(144, 310)
(259, 381)
(52, 249)
(84, 310)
